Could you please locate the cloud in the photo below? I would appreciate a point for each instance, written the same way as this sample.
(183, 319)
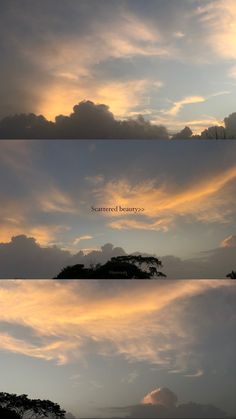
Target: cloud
(161, 396)
(60, 61)
(79, 239)
(197, 374)
(232, 72)
(23, 257)
(88, 120)
(66, 316)
(229, 241)
(173, 111)
(163, 203)
(95, 121)
(189, 100)
(165, 407)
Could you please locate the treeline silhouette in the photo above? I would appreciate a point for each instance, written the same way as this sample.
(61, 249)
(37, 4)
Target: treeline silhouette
(95, 121)
(231, 275)
(13, 406)
(120, 267)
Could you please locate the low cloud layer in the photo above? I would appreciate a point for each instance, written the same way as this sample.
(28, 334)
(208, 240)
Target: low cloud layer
(161, 396)
(87, 121)
(96, 121)
(162, 403)
(23, 257)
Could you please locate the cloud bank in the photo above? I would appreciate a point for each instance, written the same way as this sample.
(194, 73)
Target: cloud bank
(96, 121)
(23, 257)
(156, 324)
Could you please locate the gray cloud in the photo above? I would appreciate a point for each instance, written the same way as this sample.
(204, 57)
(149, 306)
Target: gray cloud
(161, 396)
(187, 410)
(24, 257)
(162, 403)
(87, 120)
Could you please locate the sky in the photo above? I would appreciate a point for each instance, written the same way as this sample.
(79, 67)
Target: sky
(53, 191)
(172, 61)
(105, 351)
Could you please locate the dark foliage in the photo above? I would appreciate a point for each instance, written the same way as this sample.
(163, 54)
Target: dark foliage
(24, 407)
(120, 267)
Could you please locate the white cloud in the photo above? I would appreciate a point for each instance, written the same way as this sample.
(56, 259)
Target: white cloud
(79, 239)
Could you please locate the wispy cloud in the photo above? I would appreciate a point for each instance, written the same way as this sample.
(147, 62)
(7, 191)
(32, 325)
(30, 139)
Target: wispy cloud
(218, 18)
(190, 100)
(79, 239)
(176, 108)
(66, 318)
(163, 203)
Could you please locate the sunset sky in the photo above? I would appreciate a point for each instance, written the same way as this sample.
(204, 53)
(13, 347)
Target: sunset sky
(187, 191)
(95, 347)
(173, 61)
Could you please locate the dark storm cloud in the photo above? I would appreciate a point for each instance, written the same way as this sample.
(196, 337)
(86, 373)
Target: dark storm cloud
(23, 257)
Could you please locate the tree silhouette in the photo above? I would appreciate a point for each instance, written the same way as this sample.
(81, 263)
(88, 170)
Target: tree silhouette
(120, 267)
(8, 413)
(23, 407)
(231, 275)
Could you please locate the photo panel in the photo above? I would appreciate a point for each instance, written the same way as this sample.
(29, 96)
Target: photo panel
(117, 209)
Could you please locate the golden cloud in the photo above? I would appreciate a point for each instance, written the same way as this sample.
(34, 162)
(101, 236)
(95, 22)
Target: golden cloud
(66, 316)
(206, 200)
(219, 18)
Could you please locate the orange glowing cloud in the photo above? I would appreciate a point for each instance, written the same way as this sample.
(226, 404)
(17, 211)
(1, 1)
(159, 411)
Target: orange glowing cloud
(66, 316)
(219, 18)
(204, 200)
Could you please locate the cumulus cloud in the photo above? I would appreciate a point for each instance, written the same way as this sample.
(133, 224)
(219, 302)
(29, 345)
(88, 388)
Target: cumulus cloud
(154, 324)
(187, 410)
(88, 120)
(95, 121)
(204, 201)
(23, 257)
(161, 396)
(162, 403)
